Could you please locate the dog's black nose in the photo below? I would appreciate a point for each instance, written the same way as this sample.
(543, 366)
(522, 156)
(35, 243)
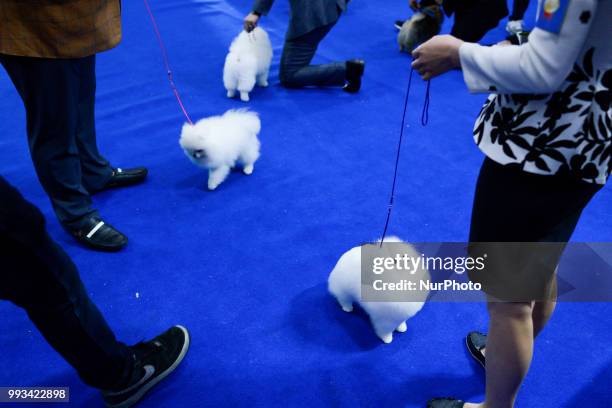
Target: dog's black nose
(198, 153)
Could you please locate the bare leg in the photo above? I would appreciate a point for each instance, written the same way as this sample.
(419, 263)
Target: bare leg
(510, 349)
(542, 311)
(540, 315)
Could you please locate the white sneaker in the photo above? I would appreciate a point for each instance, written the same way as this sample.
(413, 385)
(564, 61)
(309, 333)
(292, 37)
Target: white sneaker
(515, 27)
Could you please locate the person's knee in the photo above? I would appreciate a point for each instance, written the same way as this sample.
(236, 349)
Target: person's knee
(286, 81)
(543, 310)
(287, 78)
(514, 311)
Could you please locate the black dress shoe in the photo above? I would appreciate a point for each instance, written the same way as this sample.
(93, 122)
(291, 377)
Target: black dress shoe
(99, 235)
(445, 403)
(354, 72)
(126, 177)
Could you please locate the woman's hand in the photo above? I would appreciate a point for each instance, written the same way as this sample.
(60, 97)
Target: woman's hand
(250, 22)
(437, 56)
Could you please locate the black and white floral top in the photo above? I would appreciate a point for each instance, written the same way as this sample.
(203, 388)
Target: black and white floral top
(550, 111)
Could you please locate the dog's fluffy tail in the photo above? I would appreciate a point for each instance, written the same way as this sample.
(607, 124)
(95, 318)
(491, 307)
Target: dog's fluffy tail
(248, 118)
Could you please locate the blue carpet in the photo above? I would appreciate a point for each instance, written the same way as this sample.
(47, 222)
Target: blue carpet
(245, 267)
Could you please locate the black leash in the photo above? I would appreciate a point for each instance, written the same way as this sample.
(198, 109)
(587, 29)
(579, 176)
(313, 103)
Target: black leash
(424, 120)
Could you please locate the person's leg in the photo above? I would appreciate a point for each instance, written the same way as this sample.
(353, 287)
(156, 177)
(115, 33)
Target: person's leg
(515, 21)
(519, 7)
(97, 173)
(50, 92)
(537, 209)
(295, 68)
(473, 19)
(39, 277)
(96, 170)
(509, 352)
(542, 311)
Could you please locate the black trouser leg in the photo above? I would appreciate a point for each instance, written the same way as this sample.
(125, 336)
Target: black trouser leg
(473, 19)
(51, 92)
(295, 68)
(96, 170)
(39, 277)
(519, 7)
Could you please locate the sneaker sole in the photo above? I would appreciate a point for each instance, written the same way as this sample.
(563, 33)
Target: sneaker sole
(141, 393)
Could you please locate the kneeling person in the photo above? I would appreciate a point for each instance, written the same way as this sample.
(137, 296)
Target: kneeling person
(310, 22)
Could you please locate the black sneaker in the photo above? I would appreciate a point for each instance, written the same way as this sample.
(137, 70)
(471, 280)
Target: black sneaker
(398, 24)
(155, 359)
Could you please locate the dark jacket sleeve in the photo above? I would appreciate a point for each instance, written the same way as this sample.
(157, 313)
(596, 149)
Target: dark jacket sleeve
(262, 6)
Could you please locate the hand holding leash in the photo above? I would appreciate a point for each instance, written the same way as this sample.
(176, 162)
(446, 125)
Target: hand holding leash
(437, 56)
(250, 22)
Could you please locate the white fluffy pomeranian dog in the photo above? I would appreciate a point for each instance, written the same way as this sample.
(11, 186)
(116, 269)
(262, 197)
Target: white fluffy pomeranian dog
(218, 143)
(386, 317)
(247, 63)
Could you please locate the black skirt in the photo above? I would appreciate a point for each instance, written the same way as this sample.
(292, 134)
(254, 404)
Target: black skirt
(521, 223)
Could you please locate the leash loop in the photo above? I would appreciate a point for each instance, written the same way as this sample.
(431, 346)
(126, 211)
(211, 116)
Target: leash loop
(425, 113)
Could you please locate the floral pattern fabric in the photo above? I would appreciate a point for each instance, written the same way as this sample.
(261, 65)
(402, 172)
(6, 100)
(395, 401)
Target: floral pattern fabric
(568, 132)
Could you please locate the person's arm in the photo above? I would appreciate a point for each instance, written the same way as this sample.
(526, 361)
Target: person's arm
(260, 8)
(539, 66)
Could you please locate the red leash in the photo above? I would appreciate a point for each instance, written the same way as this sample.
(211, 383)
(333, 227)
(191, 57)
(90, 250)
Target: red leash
(167, 62)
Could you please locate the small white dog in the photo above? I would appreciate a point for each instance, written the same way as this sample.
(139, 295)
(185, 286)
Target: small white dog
(386, 317)
(247, 63)
(217, 143)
